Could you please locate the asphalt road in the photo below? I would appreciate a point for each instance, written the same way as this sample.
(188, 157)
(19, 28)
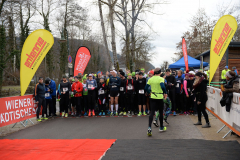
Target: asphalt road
(180, 127)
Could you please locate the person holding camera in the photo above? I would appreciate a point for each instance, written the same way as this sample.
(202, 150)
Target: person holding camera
(48, 97)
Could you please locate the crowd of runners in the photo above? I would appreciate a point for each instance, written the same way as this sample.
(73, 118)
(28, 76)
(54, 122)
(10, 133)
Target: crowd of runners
(118, 93)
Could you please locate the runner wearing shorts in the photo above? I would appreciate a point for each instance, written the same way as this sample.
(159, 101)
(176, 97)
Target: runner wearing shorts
(114, 84)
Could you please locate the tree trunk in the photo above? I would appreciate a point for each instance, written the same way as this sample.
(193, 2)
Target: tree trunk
(114, 50)
(133, 37)
(104, 34)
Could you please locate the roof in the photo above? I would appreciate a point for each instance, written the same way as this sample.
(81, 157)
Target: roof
(207, 53)
(192, 62)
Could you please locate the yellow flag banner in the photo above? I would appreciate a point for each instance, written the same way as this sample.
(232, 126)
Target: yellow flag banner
(222, 35)
(35, 48)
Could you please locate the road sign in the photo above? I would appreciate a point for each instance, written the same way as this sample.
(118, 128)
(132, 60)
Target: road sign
(70, 65)
(70, 59)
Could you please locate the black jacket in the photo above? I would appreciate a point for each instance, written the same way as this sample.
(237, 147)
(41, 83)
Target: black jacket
(227, 96)
(39, 91)
(201, 91)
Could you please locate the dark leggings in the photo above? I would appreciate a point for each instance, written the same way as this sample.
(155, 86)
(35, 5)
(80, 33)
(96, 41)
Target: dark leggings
(64, 103)
(130, 99)
(85, 102)
(41, 102)
(171, 94)
(122, 102)
(156, 105)
(50, 105)
(78, 104)
(100, 103)
(201, 108)
(91, 99)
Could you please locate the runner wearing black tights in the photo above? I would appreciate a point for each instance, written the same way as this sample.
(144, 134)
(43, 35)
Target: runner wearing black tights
(158, 92)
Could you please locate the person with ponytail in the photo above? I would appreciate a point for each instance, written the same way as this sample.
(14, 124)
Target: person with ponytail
(200, 89)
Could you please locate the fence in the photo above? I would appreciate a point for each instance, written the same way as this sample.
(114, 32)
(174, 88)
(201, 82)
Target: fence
(230, 119)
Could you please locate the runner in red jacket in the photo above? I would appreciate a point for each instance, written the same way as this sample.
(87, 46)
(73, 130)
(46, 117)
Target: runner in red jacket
(77, 89)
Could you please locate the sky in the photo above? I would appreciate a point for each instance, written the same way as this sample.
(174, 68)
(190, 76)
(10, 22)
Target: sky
(170, 26)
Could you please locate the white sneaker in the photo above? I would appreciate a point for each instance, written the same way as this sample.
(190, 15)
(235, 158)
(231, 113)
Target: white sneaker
(72, 114)
(132, 113)
(129, 114)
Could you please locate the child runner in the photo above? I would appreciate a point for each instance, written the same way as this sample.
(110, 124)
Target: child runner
(102, 88)
(85, 96)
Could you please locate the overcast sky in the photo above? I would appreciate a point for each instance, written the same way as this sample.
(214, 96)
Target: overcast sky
(169, 27)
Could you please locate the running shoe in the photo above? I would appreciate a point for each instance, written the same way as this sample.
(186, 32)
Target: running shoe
(148, 112)
(121, 113)
(111, 114)
(129, 113)
(116, 114)
(161, 129)
(44, 118)
(66, 115)
(165, 119)
(149, 132)
(85, 114)
(89, 114)
(63, 114)
(72, 114)
(103, 114)
(80, 115)
(155, 123)
(39, 120)
(125, 113)
(174, 113)
(144, 113)
(132, 113)
(100, 113)
(93, 113)
(140, 113)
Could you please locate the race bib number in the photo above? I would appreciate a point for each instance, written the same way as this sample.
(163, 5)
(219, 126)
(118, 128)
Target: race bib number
(121, 89)
(177, 85)
(141, 91)
(101, 92)
(47, 94)
(90, 86)
(114, 86)
(129, 87)
(65, 89)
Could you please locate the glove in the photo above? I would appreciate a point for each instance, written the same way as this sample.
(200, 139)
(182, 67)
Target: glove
(75, 92)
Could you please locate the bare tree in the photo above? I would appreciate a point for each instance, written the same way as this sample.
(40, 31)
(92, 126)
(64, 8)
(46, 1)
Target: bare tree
(104, 33)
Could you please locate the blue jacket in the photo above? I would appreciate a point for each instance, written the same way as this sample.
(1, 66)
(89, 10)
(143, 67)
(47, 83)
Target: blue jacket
(52, 85)
(179, 85)
(236, 72)
(92, 83)
(47, 93)
(114, 81)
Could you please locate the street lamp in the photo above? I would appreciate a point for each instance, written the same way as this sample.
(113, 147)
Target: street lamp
(64, 40)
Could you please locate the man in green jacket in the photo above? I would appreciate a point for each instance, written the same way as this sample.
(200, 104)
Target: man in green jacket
(224, 73)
